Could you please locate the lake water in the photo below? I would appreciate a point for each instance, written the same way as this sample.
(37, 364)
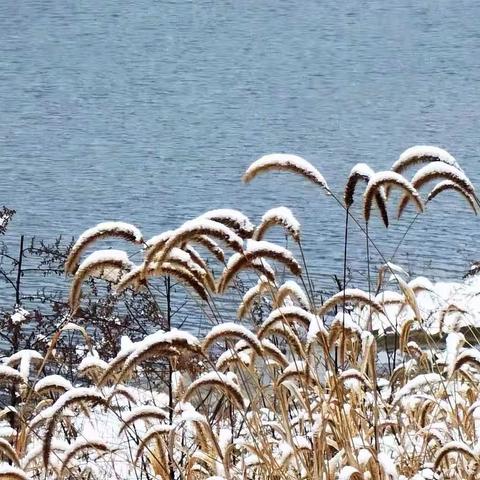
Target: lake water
(150, 111)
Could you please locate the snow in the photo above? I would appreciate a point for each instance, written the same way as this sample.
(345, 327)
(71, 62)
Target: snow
(296, 291)
(271, 250)
(230, 217)
(347, 472)
(105, 256)
(19, 316)
(197, 226)
(350, 295)
(284, 161)
(362, 170)
(90, 361)
(202, 225)
(11, 373)
(24, 358)
(230, 329)
(101, 230)
(282, 216)
(53, 381)
(177, 254)
(109, 228)
(144, 411)
(215, 377)
(416, 383)
(293, 311)
(161, 336)
(158, 239)
(426, 152)
(9, 471)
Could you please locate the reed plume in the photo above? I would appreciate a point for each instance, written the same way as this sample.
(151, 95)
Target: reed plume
(263, 286)
(191, 229)
(291, 290)
(233, 219)
(351, 295)
(439, 170)
(285, 162)
(281, 216)
(145, 413)
(80, 446)
(95, 265)
(449, 185)
(384, 179)
(232, 330)
(423, 154)
(216, 380)
(102, 230)
(209, 244)
(361, 171)
(238, 262)
(450, 447)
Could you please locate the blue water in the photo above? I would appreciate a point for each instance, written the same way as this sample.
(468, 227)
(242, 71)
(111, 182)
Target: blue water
(150, 111)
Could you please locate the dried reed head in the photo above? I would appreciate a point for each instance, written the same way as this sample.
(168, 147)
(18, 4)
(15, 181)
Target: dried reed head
(95, 265)
(263, 286)
(231, 330)
(233, 219)
(285, 162)
(449, 185)
(350, 295)
(159, 251)
(423, 154)
(392, 179)
(102, 230)
(362, 171)
(292, 291)
(219, 381)
(281, 216)
(238, 262)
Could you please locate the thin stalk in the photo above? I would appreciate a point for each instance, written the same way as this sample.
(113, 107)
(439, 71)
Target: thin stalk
(345, 248)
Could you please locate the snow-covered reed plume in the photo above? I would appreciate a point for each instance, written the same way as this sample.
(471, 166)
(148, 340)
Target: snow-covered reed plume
(423, 154)
(233, 219)
(158, 251)
(97, 264)
(252, 294)
(285, 162)
(254, 256)
(209, 244)
(361, 171)
(388, 179)
(102, 230)
(350, 295)
(435, 171)
(447, 185)
(291, 291)
(281, 216)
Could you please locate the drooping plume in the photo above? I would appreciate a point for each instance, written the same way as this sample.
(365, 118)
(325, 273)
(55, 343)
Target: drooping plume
(285, 162)
(102, 230)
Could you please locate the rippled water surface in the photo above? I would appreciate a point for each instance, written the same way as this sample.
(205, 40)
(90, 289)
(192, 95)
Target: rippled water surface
(149, 112)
